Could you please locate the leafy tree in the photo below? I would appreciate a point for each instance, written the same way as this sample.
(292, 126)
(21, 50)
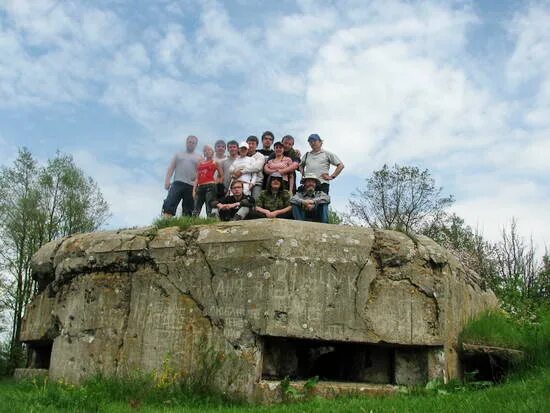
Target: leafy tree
(334, 217)
(71, 201)
(468, 245)
(38, 204)
(403, 198)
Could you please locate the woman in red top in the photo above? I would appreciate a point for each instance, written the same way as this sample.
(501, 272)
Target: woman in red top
(204, 190)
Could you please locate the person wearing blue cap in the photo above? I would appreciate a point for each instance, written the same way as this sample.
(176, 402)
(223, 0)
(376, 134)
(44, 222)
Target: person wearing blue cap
(317, 163)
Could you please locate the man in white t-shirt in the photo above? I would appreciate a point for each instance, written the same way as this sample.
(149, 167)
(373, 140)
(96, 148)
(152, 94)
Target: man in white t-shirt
(317, 162)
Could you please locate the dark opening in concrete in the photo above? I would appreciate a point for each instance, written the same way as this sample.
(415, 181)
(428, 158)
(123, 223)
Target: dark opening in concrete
(488, 363)
(40, 353)
(485, 367)
(300, 359)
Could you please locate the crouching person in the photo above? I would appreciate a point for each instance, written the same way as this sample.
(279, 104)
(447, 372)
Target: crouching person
(310, 204)
(236, 206)
(274, 201)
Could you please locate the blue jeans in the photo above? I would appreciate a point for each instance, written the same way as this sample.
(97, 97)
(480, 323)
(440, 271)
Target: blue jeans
(317, 214)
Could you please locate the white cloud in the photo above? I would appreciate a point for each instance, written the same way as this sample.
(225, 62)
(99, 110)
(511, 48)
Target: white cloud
(51, 51)
(218, 46)
(384, 89)
(530, 61)
(494, 210)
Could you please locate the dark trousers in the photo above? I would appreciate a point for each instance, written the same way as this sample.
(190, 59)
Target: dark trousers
(179, 191)
(205, 194)
(324, 187)
(318, 214)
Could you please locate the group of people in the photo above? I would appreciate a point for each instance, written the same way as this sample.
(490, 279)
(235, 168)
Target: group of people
(240, 181)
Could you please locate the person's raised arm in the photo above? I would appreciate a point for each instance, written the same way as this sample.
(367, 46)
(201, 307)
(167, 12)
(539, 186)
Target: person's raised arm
(336, 172)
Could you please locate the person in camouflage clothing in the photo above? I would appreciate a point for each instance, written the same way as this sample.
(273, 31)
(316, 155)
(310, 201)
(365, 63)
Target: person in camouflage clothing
(274, 202)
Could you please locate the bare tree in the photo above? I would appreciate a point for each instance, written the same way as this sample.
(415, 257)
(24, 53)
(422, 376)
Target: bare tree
(403, 198)
(517, 260)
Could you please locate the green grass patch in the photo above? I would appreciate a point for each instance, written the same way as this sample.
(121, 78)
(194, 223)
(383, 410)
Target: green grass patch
(105, 394)
(183, 222)
(496, 328)
(530, 393)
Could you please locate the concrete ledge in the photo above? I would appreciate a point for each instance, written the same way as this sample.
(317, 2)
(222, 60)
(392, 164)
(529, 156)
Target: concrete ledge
(22, 374)
(502, 352)
(269, 391)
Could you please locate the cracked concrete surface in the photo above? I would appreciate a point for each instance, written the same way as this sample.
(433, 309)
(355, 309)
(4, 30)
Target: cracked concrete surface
(129, 300)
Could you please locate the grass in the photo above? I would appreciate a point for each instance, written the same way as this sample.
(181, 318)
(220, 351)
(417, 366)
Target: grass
(528, 393)
(496, 328)
(527, 390)
(183, 222)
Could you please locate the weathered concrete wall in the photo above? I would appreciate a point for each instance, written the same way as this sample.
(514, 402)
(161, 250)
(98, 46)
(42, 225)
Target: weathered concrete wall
(116, 302)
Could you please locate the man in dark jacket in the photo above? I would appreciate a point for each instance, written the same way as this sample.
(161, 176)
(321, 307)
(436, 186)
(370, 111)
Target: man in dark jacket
(235, 206)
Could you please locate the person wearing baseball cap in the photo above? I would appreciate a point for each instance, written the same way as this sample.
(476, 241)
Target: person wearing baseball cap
(317, 162)
(240, 169)
(310, 204)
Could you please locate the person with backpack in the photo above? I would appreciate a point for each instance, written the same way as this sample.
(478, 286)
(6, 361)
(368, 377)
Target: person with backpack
(318, 161)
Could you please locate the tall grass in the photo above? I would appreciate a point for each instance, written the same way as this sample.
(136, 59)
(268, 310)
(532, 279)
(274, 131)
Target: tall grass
(98, 393)
(529, 394)
(183, 222)
(495, 328)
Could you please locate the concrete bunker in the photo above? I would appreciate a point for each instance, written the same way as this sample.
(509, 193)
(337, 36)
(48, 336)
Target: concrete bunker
(347, 304)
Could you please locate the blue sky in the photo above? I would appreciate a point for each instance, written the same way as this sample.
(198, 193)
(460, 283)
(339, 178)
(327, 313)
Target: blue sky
(460, 88)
